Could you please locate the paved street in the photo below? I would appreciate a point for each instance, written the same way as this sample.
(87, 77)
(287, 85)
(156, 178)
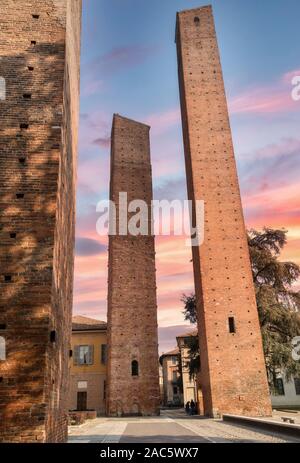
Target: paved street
(172, 426)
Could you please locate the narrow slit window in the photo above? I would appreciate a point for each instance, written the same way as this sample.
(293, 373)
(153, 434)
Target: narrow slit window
(33, 42)
(24, 126)
(30, 68)
(231, 323)
(135, 368)
(2, 350)
(35, 16)
(19, 195)
(22, 160)
(53, 336)
(27, 96)
(13, 236)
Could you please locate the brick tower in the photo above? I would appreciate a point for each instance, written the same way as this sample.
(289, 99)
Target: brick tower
(132, 378)
(39, 60)
(233, 373)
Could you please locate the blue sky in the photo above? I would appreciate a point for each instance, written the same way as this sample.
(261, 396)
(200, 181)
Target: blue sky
(129, 66)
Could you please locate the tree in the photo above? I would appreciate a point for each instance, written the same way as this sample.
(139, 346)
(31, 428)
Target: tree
(277, 301)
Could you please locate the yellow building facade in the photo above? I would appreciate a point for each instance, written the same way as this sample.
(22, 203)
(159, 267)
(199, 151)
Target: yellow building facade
(87, 389)
(189, 385)
(172, 395)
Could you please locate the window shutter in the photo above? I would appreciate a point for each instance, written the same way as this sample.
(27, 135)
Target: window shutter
(76, 355)
(103, 354)
(91, 355)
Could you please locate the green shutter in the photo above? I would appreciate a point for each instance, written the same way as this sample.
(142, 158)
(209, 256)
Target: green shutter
(91, 355)
(76, 355)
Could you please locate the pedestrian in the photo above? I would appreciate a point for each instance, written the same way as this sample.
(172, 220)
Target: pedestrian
(187, 408)
(193, 408)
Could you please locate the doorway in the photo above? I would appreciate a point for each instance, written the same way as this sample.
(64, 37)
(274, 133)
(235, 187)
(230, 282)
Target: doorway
(81, 401)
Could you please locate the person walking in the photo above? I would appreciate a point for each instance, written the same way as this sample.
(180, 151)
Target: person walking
(187, 408)
(193, 408)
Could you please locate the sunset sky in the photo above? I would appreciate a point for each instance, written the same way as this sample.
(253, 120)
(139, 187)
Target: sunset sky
(129, 66)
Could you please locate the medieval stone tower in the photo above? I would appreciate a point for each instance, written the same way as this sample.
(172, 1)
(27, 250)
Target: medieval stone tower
(132, 379)
(39, 62)
(233, 374)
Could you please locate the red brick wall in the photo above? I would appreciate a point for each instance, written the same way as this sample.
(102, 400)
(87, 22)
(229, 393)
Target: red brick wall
(233, 373)
(39, 163)
(132, 307)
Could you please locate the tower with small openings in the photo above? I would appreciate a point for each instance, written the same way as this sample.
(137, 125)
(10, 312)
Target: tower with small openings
(233, 374)
(39, 63)
(132, 376)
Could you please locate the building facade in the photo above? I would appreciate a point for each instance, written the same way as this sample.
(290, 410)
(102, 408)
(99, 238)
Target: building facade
(286, 393)
(87, 390)
(189, 385)
(172, 395)
(132, 375)
(40, 60)
(233, 373)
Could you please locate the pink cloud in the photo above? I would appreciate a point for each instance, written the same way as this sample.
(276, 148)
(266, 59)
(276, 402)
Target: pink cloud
(91, 88)
(161, 122)
(288, 76)
(286, 147)
(121, 58)
(268, 99)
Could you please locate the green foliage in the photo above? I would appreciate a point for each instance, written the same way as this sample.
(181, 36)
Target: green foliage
(277, 301)
(189, 311)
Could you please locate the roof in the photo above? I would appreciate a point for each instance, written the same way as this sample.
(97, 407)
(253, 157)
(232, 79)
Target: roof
(81, 323)
(171, 352)
(188, 334)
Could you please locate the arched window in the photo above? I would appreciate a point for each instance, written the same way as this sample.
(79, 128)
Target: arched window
(135, 368)
(2, 349)
(196, 20)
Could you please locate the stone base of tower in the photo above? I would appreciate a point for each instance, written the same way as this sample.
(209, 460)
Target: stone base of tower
(125, 408)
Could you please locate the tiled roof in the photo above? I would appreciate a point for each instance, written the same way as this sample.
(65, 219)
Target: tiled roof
(188, 334)
(81, 323)
(171, 352)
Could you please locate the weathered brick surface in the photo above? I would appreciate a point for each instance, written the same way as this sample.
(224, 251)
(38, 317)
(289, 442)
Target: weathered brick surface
(37, 228)
(132, 307)
(233, 373)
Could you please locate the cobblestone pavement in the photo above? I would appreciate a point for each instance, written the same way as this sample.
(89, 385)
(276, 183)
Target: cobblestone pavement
(171, 427)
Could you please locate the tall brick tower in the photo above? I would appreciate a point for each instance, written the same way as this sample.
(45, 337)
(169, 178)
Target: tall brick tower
(39, 60)
(233, 373)
(132, 379)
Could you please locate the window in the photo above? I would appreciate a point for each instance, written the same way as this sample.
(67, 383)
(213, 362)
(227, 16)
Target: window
(103, 354)
(279, 387)
(174, 376)
(174, 360)
(2, 349)
(231, 323)
(104, 390)
(135, 368)
(175, 390)
(297, 385)
(84, 355)
(196, 20)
